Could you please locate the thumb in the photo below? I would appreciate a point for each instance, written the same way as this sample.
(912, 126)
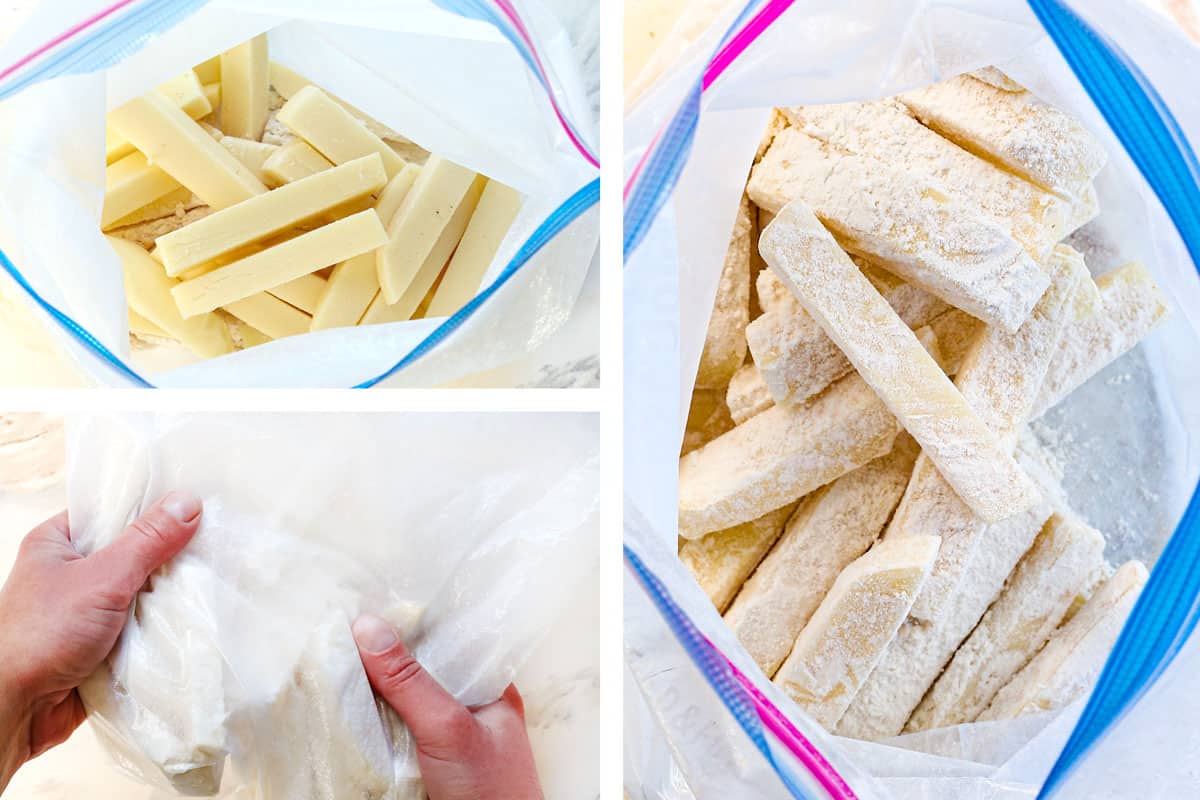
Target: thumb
(441, 726)
(148, 543)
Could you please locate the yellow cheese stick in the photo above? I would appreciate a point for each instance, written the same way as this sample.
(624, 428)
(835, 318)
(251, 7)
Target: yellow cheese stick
(780, 455)
(269, 214)
(891, 359)
(143, 327)
(852, 627)
(720, 561)
(209, 71)
(394, 193)
(186, 92)
(833, 526)
(286, 81)
(250, 335)
(747, 394)
(168, 205)
(1061, 563)
(181, 148)
(905, 222)
(287, 261)
(212, 91)
(417, 225)
(348, 293)
(251, 153)
(303, 292)
(270, 315)
(956, 331)
(148, 290)
(725, 339)
(245, 85)
(130, 184)
(322, 122)
(292, 162)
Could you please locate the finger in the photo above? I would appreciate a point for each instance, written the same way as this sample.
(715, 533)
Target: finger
(153, 539)
(504, 715)
(52, 726)
(50, 535)
(440, 725)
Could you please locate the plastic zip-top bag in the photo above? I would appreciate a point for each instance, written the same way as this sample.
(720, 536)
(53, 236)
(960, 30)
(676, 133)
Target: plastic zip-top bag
(493, 86)
(237, 671)
(1129, 436)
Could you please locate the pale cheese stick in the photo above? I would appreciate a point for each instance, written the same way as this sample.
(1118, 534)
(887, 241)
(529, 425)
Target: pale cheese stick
(1059, 565)
(906, 223)
(251, 153)
(393, 194)
(1085, 209)
(778, 122)
(780, 455)
(172, 204)
(1132, 305)
(722, 560)
(292, 162)
(250, 335)
(891, 359)
(747, 394)
(212, 93)
(180, 91)
(708, 418)
(245, 84)
(304, 292)
(725, 340)
(1015, 129)
(996, 77)
(850, 630)
(287, 82)
(921, 649)
(493, 217)
(141, 326)
(209, 71)
(281, 263)
(270, 315)
(326, 125)
(130, 184)
(1070, 664)
(832, 527)
(148, 290)
(886, 130)
(770, 292)
(348, 293)
(956, 331)
(181, 148)
(417, 225)
(269, 214)
(1000, 378)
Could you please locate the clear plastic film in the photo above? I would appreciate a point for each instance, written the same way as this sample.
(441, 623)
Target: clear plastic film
(237, 671)
(1127, 441)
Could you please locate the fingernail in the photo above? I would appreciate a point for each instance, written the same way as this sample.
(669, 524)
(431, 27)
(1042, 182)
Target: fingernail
(181, 506)
(373, 634)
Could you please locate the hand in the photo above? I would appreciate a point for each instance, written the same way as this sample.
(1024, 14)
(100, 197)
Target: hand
(464, 754)
(61, 614)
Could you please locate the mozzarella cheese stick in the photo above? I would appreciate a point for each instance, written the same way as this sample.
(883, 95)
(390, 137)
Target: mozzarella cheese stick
(246, 84)
(891, 359)
(996, 77)
(725, 340)
(417, 225)
(304, 292)
(498, 207)
(131, 184)
(1131, 305)
(179, 90)
(1059, 565)
(904, 222)
(771, 292)
(270, 315)
(853, 625)
(394, 193)
(1000, 378)
(708, 418)
(832, 527)
(886, 130)
(1085, 209)
(212, 93)
(251, 336)
(780, 455)
(1070, 664)
(268, 214)
(141, 326)
(251, 153)
(172, 141)
(148, 290)
(322, 122)
(920, 650)
(956, 331)
(292, 162)
(281, 263)
(209, 71)
(348, 292)
(722, 560)
(747, 394)
(1014, 129)
(778, 122)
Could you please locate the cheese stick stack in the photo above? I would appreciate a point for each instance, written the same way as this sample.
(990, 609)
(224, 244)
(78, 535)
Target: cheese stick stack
(859, 493)
(256, 206)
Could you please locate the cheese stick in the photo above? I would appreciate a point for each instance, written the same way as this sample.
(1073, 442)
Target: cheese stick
(132, 183)
(853, 625)
(176, 202)
(832, 527)
(270, 315)
(293, 161)
(394, 193)
(1061, 563)
(348, 292)
(772, 293)
(1000, 378)
(780, 455)
(304, 292)
(181, 91)
(725, 341)
(920, 650)
(332, 131)
(1071, 662)
(251, 153)
(886, 130)
(996, 77)
(906, 223)
(1015, 129)
(722, 560)
(212, 93)
(245, 86)
(209, 71)
(890, 358)
(140, 326)
(1131, 305)
(956, 331)
(747, 394)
